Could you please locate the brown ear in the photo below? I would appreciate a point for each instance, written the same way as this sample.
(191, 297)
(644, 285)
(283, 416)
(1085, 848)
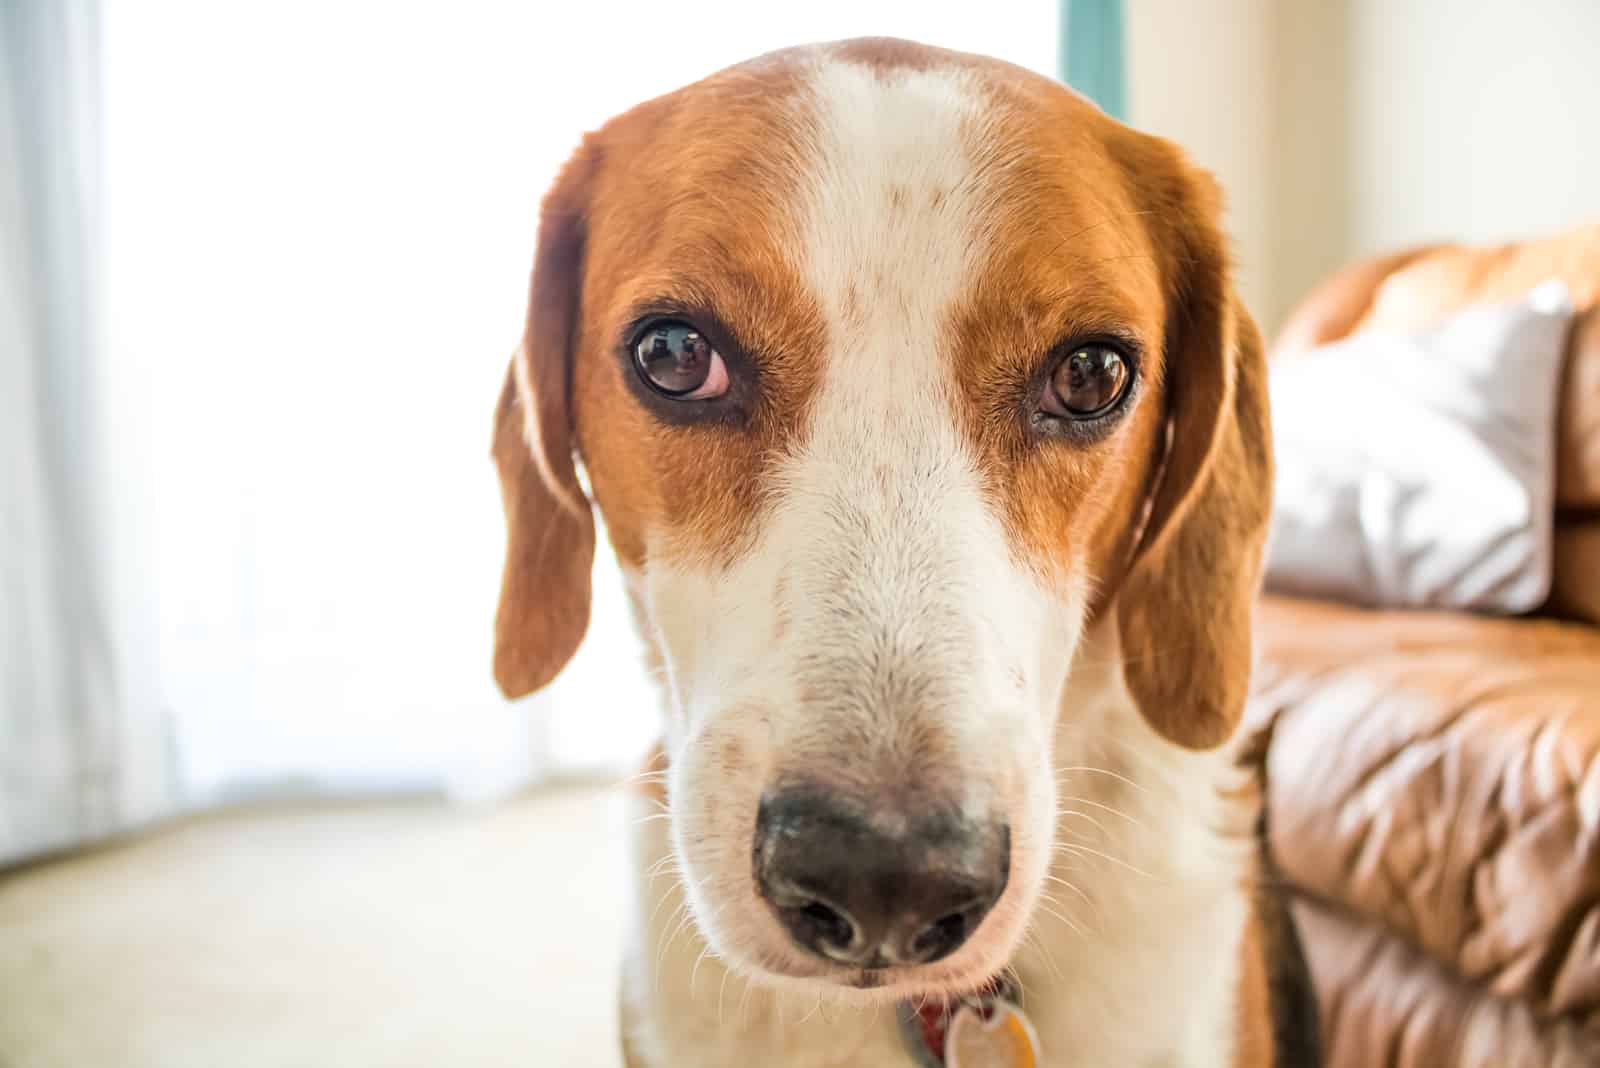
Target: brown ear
(544, 589)
(1184, 609)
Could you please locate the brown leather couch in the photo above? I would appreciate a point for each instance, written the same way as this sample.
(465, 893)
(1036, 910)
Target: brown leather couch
(1433, 778)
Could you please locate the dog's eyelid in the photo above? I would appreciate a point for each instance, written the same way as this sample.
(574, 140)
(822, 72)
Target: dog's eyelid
(1126, 341)
(703, 318)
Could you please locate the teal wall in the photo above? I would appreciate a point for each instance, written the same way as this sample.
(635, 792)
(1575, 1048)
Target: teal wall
(1091, 53)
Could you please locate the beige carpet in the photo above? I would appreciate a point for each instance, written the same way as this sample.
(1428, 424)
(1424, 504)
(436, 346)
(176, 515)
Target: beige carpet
(392, 935)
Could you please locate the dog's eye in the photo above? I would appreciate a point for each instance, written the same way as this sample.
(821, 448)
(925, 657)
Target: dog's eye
(676, 360)
(1089, 381)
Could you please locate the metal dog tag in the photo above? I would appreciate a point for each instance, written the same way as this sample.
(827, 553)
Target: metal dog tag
(1004, 1039)
(987, 1030)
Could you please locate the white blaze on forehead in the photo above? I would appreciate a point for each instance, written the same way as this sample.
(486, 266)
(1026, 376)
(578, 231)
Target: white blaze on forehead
(890, 230)
(889, 238)
(900, 569)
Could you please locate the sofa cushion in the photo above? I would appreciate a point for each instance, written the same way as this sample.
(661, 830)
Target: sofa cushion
(1383, 1002)
(1417, 469)
(1439, 774)
(1411, 289)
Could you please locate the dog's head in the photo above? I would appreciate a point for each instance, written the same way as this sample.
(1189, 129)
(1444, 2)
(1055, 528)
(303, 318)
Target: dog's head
(892, 370)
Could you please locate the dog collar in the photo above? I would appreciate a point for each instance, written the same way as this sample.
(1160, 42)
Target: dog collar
(983, 1030)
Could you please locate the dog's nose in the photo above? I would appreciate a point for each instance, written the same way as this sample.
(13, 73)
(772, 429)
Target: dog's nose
(855, 894)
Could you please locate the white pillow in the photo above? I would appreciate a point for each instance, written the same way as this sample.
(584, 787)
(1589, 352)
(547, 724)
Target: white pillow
(1419, 470)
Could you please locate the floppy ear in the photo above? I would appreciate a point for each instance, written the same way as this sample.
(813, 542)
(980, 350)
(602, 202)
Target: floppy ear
(544, 588)
(1184, 608)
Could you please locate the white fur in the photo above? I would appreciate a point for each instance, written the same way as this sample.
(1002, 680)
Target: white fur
(1136, 967)
(881, 606)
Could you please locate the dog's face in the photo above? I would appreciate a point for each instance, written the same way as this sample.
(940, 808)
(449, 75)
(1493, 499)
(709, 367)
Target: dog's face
(891, 370)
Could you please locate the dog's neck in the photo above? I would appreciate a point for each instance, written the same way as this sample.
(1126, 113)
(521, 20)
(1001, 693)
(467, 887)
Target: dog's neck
(1133, 958)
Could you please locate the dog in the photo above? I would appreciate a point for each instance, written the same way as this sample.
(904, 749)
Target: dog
(932, 440)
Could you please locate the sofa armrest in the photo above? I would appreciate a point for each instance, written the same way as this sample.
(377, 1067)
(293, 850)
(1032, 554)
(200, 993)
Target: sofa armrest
(1340, 302)
(1439, 774)
(1382, 1001)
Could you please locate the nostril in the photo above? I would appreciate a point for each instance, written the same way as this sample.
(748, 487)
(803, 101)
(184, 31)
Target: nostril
(822, 925)
(943, 935)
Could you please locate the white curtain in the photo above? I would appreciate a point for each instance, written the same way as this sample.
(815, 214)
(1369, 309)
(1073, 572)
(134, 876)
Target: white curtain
(319, 223)
(85, 744)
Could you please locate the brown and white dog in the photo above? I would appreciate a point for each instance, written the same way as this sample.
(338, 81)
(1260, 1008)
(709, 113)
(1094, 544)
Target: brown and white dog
(933, 443)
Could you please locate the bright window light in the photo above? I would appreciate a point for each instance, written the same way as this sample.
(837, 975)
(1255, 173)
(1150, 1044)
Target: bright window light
(321, 220)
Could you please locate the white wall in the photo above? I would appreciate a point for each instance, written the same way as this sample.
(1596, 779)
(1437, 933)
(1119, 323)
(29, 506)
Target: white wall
(1202, 74)
(1475, 120)
(1341, 128)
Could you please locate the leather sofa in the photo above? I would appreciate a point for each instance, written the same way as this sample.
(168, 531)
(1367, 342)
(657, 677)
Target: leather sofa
(1433, 778)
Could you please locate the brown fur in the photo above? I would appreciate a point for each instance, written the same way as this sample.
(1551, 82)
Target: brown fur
(648, 214)
(1256, 1047)
(1073, 259)
(1104, 230)
(1185, 605)
(690, 222)
(1124, 240)
(544, 591)
(1139, 254)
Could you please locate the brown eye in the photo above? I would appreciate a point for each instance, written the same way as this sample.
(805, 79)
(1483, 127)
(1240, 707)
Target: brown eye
(1089, 382)
(678, 361)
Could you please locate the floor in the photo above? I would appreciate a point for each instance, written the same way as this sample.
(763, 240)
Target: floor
(394, 935)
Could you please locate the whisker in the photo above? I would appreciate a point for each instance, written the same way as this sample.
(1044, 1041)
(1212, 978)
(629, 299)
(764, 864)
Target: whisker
(1101, 771)
(649, 924)
(683, 924)
(1031, 937)
(1064, 812)
(1058, 915)
(670, 860)
(1111, 809)
(694, 973)
(814, 1009)
(744, 1001)
(652, 817)
(1136, 753)
(661, 950)
(1073, 847)
(1074, 888)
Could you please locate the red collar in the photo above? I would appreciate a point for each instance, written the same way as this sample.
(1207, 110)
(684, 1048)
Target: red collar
(926, 1026)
